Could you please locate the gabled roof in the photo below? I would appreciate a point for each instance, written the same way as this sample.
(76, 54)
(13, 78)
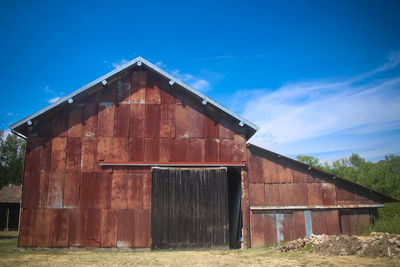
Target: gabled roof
(329, 177)
(139, 61)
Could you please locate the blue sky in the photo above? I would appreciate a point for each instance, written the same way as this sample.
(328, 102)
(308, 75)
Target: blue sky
(320, 78)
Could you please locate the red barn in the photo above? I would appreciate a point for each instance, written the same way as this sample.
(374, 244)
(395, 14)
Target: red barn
(139, 159)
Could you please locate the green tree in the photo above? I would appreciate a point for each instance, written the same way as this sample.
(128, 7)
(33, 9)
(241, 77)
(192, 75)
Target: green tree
(12, 153)
(310, 160)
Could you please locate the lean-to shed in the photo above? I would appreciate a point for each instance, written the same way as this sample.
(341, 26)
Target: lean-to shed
(137, 158)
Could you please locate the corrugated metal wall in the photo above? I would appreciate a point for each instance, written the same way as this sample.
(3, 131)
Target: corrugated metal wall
(273, 181)
(68, 200)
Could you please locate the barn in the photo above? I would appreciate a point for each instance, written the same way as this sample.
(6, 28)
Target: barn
(139, 159)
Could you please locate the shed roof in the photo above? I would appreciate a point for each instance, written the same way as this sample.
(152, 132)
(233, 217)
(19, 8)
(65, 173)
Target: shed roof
(10, 194)
(329, 176)
(139, 61)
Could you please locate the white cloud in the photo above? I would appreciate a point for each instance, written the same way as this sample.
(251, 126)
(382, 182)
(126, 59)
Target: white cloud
(160, 64)
(302, 111)
(195, 82)
(48, 90)
(54, 99)
(119, 63)
(10, 114)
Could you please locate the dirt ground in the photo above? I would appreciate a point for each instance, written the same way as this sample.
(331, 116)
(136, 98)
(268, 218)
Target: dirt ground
(11, 256)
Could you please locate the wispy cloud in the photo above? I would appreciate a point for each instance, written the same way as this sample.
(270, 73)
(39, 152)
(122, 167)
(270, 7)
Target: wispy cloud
(119, 63)
(160, 64)
(195, 82)
(301, 111)
(54, 99)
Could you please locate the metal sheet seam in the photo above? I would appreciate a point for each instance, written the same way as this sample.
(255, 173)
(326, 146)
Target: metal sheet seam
(345, 206)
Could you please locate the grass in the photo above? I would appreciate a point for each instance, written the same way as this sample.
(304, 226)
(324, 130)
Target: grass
(11, 256)
(388, 220)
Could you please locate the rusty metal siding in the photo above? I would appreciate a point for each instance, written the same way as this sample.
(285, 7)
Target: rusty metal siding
(136, 117)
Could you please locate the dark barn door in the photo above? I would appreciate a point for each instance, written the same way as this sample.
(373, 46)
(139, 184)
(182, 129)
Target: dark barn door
(189, 208)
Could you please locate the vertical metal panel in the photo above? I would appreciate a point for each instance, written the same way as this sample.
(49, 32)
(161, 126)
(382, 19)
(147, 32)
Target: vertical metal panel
(211, 124)
(76, 230)
(314, 194)
(125, 228)
(147, 190)
(343, 194)
(30, 192)
(166, 146)
(45, 128)
(74, 151)
(270, 173)
(269, 229)
(43, 231)
(308, 222)
(300, 194)
(153, 93)
(256, 194)
(43, 186)
(105, 119)
(27, 227)
(103, 190)
(211, 150)
(189, 208)
(60, 228)
(109, 228)
(301, 177)
(46, 155)
(119, 191)
(92, 232)
(141, 228)
(225, 129)
(181, 121)
(120, 149)
(167, 93)
(88, 189)
(58, 153)
(285, 174)
(34, 154)
(332, 222)
(255, 168)
(167, 127)
(196, 121)
(271, 195)
(136, 194)
(109, 93)
(180, 149)
(137, 120)
(151, 149)
(71, 189)
(279, 227)
(153, 118)
(121, 122)
(60, 124)
(286, 194)
(239, 148)
(55, 190)
(257, 230)
(225, 150)
(245, 209)
(90, 119)
(328, 194)
(139, 80)
(75, 128)
(124, 88)
(104, 149)
(136, 149)
(299, 224)
(196, 150)
(89, 155)
(345, 223)
(288, 226)
(318, 222)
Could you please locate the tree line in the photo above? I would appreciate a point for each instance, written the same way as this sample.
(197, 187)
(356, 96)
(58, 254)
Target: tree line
(382, 176)
(12, 153)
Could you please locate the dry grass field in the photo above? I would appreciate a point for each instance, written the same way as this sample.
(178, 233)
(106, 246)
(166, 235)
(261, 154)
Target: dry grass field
(11, 256)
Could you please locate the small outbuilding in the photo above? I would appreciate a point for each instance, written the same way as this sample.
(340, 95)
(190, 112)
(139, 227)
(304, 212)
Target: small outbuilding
(10, 198)
(139, 159)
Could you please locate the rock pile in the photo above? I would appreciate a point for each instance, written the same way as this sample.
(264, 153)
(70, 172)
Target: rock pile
(375, 245)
